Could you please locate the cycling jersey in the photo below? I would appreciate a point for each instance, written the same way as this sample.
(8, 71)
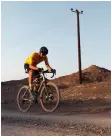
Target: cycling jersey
(35, 59)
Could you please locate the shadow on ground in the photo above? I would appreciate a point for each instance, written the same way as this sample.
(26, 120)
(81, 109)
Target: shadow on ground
(67, 107)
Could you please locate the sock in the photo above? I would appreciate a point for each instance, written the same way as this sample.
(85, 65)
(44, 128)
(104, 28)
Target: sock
(30, 85)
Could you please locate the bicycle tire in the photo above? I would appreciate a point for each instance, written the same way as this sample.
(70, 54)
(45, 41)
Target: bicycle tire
(18, 99)
(58, 97)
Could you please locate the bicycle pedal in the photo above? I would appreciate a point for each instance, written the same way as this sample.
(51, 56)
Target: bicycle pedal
(34, 102)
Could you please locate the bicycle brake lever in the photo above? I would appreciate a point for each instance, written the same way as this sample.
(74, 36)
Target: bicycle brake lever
(52, 75)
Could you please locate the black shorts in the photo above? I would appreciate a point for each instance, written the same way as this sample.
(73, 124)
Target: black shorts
(27, 69)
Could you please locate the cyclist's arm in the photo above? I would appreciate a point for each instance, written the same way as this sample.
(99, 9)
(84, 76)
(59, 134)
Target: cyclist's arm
(33, 67)
(47, 64)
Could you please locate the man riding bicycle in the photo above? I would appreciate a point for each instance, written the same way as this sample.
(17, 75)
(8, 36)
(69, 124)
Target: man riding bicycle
(31, 62)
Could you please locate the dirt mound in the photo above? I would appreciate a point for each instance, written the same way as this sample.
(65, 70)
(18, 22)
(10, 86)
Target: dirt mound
(15, 82)
(89, 75)
(95, 73)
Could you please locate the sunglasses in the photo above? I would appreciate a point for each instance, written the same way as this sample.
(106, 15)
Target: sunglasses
(44, 54)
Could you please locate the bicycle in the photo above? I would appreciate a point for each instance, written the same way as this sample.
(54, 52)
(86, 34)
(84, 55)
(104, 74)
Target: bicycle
(46, 97)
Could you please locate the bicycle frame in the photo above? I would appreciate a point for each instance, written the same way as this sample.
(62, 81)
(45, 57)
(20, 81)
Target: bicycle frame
(43, 82)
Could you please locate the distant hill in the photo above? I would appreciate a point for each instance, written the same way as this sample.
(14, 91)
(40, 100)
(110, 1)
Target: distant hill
(14, 82)
(91, 74)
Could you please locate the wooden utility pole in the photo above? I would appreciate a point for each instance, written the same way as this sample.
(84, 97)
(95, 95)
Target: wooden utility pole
(79, 47)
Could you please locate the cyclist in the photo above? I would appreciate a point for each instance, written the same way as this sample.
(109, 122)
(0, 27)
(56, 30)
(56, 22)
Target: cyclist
(31, 62)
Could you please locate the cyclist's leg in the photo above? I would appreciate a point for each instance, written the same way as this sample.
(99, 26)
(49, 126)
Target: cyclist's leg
(31, 89)
(30, 78)
(29, 72)
(36, 76)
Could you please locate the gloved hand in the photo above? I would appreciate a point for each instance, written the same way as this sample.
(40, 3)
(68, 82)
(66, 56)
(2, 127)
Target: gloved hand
(40, 69)
(53, 71)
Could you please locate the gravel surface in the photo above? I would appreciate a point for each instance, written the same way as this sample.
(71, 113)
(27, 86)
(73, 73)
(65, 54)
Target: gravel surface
(15, 130)
(75, 125)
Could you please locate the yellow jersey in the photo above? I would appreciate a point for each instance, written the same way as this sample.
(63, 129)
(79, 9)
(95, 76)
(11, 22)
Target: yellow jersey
(36, 59)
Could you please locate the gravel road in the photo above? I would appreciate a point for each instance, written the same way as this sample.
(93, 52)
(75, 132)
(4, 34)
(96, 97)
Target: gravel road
(15, 123)
(15, 130)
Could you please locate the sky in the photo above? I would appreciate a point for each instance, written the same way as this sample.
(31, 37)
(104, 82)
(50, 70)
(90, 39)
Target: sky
(26, 26)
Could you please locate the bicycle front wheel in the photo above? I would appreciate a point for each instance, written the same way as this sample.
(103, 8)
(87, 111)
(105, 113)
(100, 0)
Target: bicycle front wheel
(23, 99)
(50, 97)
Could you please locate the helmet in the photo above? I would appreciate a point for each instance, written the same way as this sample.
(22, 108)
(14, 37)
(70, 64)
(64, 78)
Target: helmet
(44, 50)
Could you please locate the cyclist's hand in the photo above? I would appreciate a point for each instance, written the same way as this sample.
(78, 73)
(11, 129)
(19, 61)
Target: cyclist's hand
(40, 69)
(53, 71)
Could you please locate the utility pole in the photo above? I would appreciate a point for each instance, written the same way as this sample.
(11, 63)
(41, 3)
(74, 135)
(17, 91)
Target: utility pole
(79, 47)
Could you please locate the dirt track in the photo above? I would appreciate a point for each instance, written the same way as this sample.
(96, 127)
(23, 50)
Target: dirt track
(69, 107)
(51, 124)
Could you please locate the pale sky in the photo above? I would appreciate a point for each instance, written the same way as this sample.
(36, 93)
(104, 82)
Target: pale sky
(26, 26)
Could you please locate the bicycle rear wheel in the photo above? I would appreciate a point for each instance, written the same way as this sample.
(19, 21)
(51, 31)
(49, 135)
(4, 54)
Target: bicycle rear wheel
(50, 97)
(24, 99)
